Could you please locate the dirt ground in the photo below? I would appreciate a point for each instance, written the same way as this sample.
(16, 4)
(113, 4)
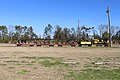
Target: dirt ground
(15, 62)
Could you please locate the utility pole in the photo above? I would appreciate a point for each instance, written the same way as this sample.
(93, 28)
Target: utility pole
(79, 31)
(110, 36)
(78, 23)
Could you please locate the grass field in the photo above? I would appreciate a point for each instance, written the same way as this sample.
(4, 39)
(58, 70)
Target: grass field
(53, 63)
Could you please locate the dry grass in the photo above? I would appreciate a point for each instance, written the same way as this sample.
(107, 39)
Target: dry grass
(23, 63)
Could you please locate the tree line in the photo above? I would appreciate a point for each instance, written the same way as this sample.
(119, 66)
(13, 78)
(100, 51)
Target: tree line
(82, 33)
(14, 33)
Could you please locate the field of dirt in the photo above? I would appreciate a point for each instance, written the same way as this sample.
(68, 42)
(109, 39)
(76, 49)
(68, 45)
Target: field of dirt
(32, 63)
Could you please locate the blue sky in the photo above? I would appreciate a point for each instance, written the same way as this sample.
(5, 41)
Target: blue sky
(39, 13)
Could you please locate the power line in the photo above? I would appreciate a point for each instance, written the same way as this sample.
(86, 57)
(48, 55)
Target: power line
(97, 20)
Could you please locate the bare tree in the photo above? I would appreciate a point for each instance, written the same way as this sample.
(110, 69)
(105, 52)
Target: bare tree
(102, 28)
(114, 30)
(11, 29)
